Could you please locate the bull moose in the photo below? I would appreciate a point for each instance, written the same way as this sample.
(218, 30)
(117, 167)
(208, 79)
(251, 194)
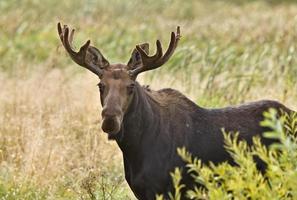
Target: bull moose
(149, 125)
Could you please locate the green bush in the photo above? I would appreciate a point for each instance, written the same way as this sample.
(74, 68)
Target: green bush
(244, 181)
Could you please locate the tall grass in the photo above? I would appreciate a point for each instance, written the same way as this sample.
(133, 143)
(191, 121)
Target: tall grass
(51, 145)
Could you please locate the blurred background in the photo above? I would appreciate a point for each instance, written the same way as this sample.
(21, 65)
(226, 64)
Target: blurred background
(51, 144)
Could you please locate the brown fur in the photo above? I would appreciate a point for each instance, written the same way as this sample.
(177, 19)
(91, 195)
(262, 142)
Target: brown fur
(157, 122)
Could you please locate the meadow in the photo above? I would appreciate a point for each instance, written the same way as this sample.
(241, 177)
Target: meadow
(51, 144)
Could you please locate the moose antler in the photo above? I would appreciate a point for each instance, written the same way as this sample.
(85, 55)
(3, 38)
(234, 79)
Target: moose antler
(87, 56)
(157, 60)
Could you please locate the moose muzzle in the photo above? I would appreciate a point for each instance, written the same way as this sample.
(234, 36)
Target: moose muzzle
(111, 120)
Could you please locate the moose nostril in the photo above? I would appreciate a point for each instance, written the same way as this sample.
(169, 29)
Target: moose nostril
(104, 112)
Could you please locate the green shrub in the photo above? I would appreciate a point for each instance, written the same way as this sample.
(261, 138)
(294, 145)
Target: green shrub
(244, 181)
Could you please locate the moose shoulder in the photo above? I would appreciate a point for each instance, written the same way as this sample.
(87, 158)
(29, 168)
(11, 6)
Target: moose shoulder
(149, 125)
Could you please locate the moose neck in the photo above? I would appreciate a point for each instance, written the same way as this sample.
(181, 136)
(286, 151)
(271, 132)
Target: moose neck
(140, 115)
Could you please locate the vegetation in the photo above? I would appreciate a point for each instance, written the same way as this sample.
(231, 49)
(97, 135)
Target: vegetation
(51, 145)
(245, 181)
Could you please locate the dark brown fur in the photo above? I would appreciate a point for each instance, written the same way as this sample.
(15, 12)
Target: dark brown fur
(158, 122)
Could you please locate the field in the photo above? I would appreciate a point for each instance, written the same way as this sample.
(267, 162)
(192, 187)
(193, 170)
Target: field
(51, 144)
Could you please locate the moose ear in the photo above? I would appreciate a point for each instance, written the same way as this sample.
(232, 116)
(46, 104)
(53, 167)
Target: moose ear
(135, 60)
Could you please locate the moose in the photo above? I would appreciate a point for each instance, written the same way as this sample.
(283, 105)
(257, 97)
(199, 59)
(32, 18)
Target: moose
(149, 125)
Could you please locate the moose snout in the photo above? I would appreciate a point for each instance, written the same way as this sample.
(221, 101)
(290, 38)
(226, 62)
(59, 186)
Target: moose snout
(111, 120)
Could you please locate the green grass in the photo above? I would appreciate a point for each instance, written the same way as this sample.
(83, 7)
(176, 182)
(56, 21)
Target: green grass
(50, 139)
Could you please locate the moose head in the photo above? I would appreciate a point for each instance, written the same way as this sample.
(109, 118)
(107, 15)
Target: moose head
(117, 81)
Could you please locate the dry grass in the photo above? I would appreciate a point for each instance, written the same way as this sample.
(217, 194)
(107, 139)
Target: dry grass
(50, 131)
(51, 145)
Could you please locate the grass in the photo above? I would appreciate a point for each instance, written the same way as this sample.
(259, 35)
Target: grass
(51, 145)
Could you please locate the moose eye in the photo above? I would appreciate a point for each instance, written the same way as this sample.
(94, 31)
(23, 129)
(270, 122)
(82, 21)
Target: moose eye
(101, 87)
(130, 88)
